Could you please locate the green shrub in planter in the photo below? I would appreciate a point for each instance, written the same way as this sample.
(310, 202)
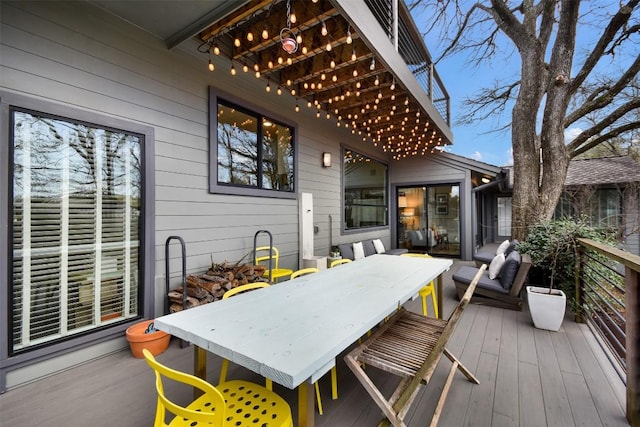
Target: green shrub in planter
(553, 248)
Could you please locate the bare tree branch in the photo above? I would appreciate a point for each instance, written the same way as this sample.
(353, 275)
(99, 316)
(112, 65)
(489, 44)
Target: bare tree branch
(607, 95)
(618, 21)
(605, 137)
(488, 102)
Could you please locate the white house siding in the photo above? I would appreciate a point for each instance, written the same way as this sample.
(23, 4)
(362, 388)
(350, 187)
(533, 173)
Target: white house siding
(79, 55)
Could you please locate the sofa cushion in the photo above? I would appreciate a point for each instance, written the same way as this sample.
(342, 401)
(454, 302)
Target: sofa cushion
(369, 248)
(503, 247)
(496, 265)
(398, 251)
(484, 257)
(513, 245)
(377, 243)
(346, 250)
(466, 273)
(510, 270)
(358, 251)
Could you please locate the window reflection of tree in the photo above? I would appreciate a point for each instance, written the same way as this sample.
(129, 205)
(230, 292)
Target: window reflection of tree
(237, 148)
(54, 160)
(244, 161)
(277, 158)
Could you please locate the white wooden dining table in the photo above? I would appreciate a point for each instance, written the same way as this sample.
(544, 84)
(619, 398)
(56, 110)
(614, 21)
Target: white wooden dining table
(293, 331)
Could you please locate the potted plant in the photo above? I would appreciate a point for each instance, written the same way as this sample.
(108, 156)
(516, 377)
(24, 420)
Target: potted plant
(144, 335)
(553, 248)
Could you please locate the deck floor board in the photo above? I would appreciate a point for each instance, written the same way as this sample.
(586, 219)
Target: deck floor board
(528, 377)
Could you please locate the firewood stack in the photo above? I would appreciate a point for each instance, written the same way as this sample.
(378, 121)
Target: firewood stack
(209, 287)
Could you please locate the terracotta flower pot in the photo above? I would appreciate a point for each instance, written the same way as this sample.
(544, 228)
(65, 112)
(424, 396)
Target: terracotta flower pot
(155, 341)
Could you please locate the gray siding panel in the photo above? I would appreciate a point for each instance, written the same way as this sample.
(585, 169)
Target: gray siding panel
(77, 54)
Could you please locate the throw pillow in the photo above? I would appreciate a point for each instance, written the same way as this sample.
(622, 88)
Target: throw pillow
(379, 246)
(358, 251)
(346, 250)
(510, 270)
(419, 235)
(503, 247)
(496, 265)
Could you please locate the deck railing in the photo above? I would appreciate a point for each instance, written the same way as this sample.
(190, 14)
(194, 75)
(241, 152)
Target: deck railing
(409, 44)
(607, 283)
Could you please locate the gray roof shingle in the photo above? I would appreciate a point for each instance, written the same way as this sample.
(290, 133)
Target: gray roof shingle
(604, 170)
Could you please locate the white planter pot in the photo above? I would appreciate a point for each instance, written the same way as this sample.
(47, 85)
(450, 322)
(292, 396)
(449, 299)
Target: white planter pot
(547, 310)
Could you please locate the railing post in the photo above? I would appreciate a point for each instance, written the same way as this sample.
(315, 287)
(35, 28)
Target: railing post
(632, 302)
(577, 274)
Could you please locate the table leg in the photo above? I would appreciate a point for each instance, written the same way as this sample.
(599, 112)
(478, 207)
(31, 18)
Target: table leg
(439, 297)
(199, 367)
(306, 405)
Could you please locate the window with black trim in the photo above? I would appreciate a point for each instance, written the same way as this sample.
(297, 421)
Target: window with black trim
(365, 191)
(76, 227)
(253, 151)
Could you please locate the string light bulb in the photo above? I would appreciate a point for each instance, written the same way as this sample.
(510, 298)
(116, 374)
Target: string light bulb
(250, 36)
(216, 49)
(233, 70)
(265, 33)
(211, 66)
(324, 30)
(328, 47)
(353, 55)
(297, 108)
(349, 38)
(236, 42)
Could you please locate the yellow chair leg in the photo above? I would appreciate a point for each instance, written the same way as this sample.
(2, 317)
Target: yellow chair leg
(334, 383)
(223, 371)
(318, 398)
(269, 384)
(434, 302)
(424, 305)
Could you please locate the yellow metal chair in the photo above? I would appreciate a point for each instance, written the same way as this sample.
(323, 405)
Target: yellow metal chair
(304, 271)
(263, 255)
(339, 262)
(224, 368)
(244, 288)
(430, 289)
(334, 373)
(233, 403)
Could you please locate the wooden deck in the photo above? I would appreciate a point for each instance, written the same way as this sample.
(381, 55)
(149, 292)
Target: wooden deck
(528, 377)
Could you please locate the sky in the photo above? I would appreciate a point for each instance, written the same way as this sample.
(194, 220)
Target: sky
(478, 141)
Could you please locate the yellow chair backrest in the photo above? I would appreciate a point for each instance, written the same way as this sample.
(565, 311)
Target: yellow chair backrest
(416, 255)
(244, 288)
(275, 255)
(339, 262)
(304, 271)
(218, 407)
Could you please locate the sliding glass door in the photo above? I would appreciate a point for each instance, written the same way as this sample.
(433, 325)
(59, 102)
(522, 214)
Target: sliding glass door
(429, 219)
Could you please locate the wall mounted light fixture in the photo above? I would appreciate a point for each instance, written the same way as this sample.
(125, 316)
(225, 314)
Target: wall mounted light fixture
(326, 160)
